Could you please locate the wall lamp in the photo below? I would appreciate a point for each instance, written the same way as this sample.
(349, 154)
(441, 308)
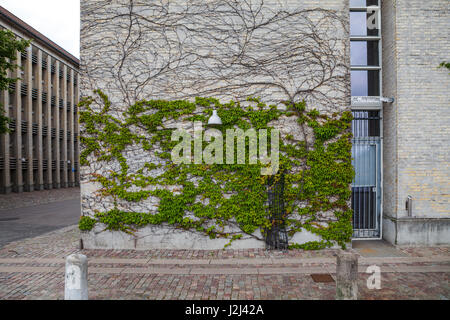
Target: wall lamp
(214, 120)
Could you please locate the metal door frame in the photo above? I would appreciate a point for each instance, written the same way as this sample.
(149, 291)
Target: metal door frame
(379, 169)
(374, 104)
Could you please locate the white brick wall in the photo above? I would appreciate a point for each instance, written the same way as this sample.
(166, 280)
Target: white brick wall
(417, 125)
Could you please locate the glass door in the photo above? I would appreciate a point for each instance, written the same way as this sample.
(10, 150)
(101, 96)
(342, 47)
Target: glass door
(366, 189)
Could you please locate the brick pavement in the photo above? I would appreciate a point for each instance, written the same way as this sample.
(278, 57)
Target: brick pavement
(34, 269)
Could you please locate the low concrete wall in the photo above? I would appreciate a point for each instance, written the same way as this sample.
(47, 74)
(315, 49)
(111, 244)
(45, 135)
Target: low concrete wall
(164, 237)
(417, 231)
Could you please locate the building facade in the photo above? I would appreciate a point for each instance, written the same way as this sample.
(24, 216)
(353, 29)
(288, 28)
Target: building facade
(377, 59)
(416, 157)
(41, 151)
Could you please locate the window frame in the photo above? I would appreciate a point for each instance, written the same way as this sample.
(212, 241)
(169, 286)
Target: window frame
(362, 103)
(369, 102)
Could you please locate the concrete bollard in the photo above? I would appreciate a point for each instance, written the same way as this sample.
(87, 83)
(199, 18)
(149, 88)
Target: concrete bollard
(346, 276)
(75, 285)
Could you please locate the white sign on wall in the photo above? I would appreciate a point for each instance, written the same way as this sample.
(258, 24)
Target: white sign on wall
(365, 101)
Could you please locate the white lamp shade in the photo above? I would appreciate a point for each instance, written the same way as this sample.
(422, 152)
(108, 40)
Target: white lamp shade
(214, 119)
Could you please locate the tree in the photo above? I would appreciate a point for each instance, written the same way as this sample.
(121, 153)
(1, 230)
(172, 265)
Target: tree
(9, 45)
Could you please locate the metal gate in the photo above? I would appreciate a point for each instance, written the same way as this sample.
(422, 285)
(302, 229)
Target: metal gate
(276, 236)
(366, 186)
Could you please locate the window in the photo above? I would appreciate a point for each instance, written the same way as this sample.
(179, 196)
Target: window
(364, 53)
(363, 3)
(365, 83)
(366, 123)
(365, 48)
(365, 60)
(359, 23)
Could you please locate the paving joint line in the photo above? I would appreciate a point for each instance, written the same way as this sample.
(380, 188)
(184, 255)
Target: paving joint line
(229, 271)
(231, 261)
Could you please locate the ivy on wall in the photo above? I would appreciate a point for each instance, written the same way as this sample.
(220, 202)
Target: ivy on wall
(317, 176)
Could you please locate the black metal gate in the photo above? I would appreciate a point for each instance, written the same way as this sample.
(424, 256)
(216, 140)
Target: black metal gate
(276, 236)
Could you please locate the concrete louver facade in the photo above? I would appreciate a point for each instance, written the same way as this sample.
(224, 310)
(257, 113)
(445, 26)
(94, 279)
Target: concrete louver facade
(41, 151)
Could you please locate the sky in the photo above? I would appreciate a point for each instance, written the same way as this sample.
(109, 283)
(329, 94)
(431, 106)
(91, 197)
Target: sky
(58, 20)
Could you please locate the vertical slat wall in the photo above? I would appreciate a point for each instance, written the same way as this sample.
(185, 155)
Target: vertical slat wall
(18, 178)
(57, 127)
(71, 130)
(28, 102)
(41, 150)
(48, 184)
(77, 130)
(5, 182)
(40, 122)
(63, 120)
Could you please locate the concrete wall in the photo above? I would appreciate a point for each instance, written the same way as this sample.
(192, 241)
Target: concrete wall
(417, 125)
(134, 50)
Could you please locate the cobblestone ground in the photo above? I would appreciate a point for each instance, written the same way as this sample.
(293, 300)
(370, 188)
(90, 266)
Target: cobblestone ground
(34, 269)
(25, 199)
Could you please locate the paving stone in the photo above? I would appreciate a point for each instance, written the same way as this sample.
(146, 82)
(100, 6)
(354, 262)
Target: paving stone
(105, 270)
(28, 269)
(34, 269)
(239, 271)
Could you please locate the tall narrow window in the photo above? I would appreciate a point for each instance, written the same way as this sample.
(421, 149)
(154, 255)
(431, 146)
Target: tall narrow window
(365, 60)
(365, 48)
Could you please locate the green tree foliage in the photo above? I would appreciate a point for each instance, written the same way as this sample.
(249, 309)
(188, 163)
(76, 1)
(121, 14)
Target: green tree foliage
(9, 45)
